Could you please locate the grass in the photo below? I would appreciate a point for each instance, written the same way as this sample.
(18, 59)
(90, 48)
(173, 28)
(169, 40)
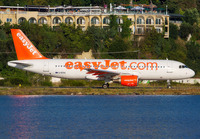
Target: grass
(142, 90)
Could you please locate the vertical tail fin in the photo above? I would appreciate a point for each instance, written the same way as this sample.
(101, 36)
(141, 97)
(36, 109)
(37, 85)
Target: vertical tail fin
(24, 48)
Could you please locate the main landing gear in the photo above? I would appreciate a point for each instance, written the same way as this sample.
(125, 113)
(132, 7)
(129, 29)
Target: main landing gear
(106, 85)
(169, 84)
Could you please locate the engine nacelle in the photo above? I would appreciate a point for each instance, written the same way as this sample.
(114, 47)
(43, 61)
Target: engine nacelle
(129, 80)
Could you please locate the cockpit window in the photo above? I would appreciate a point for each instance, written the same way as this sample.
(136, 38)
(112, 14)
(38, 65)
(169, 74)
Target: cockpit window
(182, 66)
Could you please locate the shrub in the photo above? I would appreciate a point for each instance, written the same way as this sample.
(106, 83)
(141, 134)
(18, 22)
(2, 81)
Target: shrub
(16, 81)
(46, 83)
(65, 82)
(2, 82)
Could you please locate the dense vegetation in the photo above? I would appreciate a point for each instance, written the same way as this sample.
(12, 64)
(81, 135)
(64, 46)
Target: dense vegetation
(67, 40)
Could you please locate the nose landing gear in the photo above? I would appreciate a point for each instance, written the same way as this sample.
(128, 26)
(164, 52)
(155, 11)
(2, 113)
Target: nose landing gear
(169, 84)
(106, 85)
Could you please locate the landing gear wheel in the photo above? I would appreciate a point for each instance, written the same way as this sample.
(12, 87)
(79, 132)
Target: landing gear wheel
(169, 84)
(106, 85)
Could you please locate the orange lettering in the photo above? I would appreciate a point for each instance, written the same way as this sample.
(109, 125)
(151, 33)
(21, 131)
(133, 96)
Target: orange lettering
(69, 65)
(141, 68)
(134, 66)
(152, 63)
(78, 65)
(114, 65)
(96, 66)
(106, 66)
(87, 64)
(122, 63)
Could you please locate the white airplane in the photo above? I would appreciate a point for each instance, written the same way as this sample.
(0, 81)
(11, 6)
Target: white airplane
(125, 71)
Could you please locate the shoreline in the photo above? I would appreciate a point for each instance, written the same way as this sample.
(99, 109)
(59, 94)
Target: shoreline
(99, 91)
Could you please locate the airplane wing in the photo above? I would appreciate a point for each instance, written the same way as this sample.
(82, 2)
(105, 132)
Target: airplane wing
(102, 73)
(105, 74)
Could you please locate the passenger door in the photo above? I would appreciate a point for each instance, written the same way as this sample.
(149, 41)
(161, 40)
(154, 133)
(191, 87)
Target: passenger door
(46, 66)
(169, 67)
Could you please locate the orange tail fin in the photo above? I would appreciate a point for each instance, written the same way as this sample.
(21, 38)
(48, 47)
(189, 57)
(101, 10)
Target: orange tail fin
(24, 48)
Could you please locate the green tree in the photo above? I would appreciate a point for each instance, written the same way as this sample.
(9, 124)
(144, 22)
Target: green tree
(191, 16)
(193, 56)
(97, 36)
(40, 2)
(173, 31)
(185, 30)
(126, 32)
(78, 3)
(75, 38)
(181, 4)
(66, 2)
(147, 46)
(196, 32)
(172, 6)
(118, 45)
(198, 5)
(113, 25)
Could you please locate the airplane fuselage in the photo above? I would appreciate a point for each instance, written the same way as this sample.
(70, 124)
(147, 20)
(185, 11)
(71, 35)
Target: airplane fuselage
(75, 68)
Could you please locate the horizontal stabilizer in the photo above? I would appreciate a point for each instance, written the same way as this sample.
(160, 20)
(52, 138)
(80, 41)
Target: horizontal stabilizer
(19, 63)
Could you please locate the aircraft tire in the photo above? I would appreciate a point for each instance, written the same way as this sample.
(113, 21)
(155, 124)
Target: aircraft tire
(106, 85)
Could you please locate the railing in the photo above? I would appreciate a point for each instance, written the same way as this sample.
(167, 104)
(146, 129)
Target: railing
(100, 13)
(12, 12)
(20, 12)
(176, 22)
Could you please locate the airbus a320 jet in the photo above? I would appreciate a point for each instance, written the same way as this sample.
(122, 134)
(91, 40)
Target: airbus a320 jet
(127, 72)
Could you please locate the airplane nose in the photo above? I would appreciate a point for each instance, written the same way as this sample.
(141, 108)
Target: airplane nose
(191, 73)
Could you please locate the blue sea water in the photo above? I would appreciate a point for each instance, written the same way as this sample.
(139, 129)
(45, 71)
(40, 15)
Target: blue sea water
(99, 117)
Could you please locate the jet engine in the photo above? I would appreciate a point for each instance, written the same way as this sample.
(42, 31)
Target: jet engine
(128, 80)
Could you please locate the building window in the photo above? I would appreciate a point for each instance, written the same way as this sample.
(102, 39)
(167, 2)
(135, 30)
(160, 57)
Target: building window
(159, 21)
(95, 20)
(42, 21)
(149, 21)
(32, 20)
(68, 20)
(81, 21)
(159, 30)
(119, 29)
(140, 30)
(166, 21)
(56, 20)
(166, 29)
(9, 20)
(148, 29)
(21, 19)
(140, 20)
(106, 20)
(119, 21)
